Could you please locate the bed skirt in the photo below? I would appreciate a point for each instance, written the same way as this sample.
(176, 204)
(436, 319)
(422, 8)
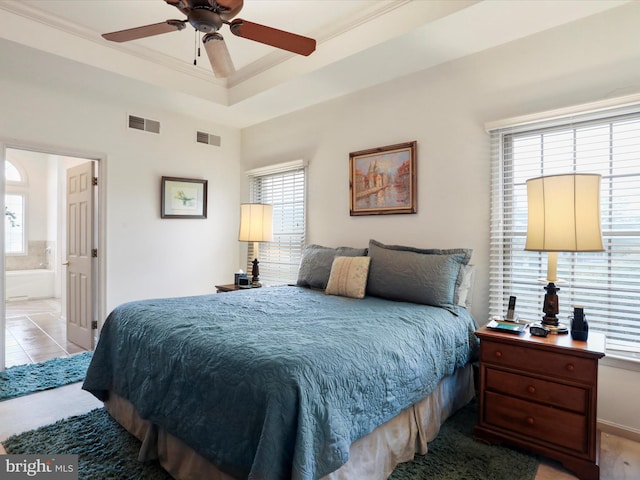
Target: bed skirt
(373, 456)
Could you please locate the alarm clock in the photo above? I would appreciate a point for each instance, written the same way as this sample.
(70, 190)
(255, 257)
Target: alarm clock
(538, 330)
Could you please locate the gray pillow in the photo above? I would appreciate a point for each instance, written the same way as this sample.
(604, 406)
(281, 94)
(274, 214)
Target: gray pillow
(315, 266)
(426, 276)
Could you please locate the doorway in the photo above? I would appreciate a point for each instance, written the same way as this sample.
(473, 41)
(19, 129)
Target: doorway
(36, 293)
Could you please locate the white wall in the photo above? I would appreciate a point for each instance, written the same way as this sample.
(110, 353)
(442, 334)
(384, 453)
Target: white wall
(445, 110)
(146, 256)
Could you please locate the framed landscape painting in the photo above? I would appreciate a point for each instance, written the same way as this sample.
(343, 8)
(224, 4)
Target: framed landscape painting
(383, 180)
(183, 198)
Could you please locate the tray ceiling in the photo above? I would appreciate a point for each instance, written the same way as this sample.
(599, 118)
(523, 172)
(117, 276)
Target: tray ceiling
(360, 43)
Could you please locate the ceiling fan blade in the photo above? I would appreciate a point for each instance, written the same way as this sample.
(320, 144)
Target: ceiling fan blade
(272, 36)
(218, 55)
(192, 3)
(145, 31)
(230, 4)
(230, 8)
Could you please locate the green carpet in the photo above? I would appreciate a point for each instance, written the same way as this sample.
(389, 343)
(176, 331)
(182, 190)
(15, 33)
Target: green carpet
(107, 451)
(455, 455)
(25, 379)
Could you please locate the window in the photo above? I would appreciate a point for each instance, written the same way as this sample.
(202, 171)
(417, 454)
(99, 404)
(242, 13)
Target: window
(14, 212)
(606, 284)
(284, 187)
(14, 224)
(11, 173)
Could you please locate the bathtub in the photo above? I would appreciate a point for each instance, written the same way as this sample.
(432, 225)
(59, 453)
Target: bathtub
(29, 284)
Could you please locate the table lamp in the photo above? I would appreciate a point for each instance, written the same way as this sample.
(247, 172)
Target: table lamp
(563, 216)
(256, 225)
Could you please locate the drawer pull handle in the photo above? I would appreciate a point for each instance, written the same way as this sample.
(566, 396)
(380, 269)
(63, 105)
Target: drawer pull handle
(570, 367)
(530, 420)
(498, 354)
(531, 389)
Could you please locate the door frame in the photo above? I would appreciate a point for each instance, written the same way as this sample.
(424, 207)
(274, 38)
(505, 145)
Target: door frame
(100, 224)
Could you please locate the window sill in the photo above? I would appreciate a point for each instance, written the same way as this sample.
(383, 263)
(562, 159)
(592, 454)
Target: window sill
(617, 360)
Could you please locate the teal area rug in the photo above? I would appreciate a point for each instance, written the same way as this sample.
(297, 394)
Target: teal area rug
(107, 451)
(25, 379)
(454, 454)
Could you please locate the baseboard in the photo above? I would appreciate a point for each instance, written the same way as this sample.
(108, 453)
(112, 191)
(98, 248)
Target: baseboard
(619, 430)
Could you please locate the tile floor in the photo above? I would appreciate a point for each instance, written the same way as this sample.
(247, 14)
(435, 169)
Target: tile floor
(36, 332)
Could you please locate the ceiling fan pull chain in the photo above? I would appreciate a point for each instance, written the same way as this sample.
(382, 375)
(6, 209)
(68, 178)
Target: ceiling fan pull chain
(196, 48)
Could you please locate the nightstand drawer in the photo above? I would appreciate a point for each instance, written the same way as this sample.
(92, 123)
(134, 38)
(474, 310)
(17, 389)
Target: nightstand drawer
(551, 425)
(537, 390)
(539, 361)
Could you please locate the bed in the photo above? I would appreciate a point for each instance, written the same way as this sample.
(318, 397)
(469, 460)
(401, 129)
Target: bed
(289, 382)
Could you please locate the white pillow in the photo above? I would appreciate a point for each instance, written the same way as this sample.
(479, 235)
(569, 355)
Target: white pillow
(464, 293)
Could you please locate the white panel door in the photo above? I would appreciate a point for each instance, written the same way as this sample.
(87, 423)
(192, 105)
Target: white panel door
(80, 263)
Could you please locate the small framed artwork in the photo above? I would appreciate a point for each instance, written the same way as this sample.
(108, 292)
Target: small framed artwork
(383, 180)
(183, 198)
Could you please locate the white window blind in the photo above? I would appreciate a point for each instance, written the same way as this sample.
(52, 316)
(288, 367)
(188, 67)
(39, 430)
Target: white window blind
(606, 284)
(284, 187)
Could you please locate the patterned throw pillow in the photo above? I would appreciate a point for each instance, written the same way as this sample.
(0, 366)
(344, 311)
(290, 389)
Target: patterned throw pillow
(348, 276)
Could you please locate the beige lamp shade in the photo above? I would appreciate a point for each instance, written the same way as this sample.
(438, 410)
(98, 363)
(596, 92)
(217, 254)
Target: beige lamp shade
(256, 222)
(564, 213)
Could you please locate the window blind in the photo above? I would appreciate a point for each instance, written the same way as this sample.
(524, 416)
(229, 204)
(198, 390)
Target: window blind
(284, 187)
(606, 284)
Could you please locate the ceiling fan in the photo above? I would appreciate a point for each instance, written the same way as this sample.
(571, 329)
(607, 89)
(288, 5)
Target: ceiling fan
(208, 16)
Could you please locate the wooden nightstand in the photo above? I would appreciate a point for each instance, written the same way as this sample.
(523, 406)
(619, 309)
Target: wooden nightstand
(232, 288)
(540, 394)
(227, 288)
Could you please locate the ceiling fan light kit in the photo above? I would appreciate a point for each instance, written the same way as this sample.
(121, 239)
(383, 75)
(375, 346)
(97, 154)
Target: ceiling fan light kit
(204, 20)
(218, 54)
(208, 16)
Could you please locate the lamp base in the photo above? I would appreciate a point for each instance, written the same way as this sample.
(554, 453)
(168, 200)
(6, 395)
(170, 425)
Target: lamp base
(550, 309)
(559, 329)
(255, 273)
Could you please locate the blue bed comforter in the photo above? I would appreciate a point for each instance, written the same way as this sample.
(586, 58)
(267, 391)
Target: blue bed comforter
(276, 383)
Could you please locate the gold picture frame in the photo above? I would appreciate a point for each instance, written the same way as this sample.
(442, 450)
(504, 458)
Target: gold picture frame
(383, 180)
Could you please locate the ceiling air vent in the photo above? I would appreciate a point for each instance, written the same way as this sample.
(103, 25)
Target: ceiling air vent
(139, 123)
(208, 138)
